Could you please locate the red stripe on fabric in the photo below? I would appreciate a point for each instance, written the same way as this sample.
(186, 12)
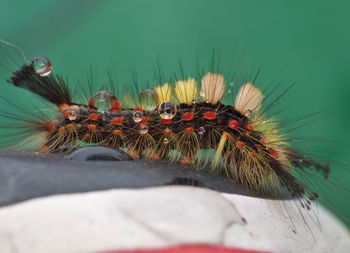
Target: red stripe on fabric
(188, 249)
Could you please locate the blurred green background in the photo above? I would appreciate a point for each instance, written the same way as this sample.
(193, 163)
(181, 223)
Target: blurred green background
(309, 39)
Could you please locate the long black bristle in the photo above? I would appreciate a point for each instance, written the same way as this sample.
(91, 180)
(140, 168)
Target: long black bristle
(52, 88)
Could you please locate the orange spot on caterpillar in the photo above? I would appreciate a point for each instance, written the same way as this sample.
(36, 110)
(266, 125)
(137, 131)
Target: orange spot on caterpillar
(43, 149)
(187, 160)
(167, 131)
(87, 136)
(189, 129)
(91, 102)
(117, 132)
(273, 153)
(138, 109)
(61, 129)
(51, 127)
(240, 144)
(115, 104)
(63, 107)
(134, 154)
(262, 141)
(154, 156)
(250, 127)
(251, 154)
(247, 133)
(144, 120)
(117, 120)
(188, 116)
(233, 124)
(92, 127)
(94, 116)
(228, 136)
(210, 115)
(70, 127)
(165, 121)
(258, 146)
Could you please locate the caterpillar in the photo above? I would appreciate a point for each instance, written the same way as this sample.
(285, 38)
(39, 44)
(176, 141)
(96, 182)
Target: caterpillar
(184, 119)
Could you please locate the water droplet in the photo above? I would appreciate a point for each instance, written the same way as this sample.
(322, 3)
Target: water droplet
(143, 129)
(148, 99)
(201, 130)
(167, 110)
(103, 100)
(42, 66)
(166, 141)
(137, 116)
(232, 84)
(72, 115)
(167, 131)
(229, 91)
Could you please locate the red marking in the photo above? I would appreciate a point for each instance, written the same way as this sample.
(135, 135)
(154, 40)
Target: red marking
(94, 116)
(70, 127)
(115, 110)
(210, 115)
(87, 136)
(66, 114)
(196, 248)
(188, 116)
(262, 141)
(43, 149)
(247, 133)
(138, 109)
(63, 107)
(258, 146)
(117, 132)
(144, 120)
(189, 130)
(117, 120)
(233, 124)
(115, 104)
(167, 132)
(51, 127)
(250, 127)
(240, 144)
(61, 129)
(273, 153)
(251, 154)
(228, 136)
(92, 127)
(91, 102)
(166, 121)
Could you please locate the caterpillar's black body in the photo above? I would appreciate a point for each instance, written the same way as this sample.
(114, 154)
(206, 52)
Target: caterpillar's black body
(248, 147)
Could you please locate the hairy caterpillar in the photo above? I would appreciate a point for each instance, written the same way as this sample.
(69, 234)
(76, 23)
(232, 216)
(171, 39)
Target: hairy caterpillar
(177, 120)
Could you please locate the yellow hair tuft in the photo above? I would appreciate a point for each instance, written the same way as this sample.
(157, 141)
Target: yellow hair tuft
(186, 91)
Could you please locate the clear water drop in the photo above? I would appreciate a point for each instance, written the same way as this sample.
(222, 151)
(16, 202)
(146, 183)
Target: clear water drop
(143, 129)
(167, 131)
(229, 91)
(137, 116)
(103, 100)
(201, 130)
(148, 99)
(42, 66)
(167, 110)
(72, 115)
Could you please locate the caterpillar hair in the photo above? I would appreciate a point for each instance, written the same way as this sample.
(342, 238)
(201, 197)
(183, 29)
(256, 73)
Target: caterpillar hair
(175, 120)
